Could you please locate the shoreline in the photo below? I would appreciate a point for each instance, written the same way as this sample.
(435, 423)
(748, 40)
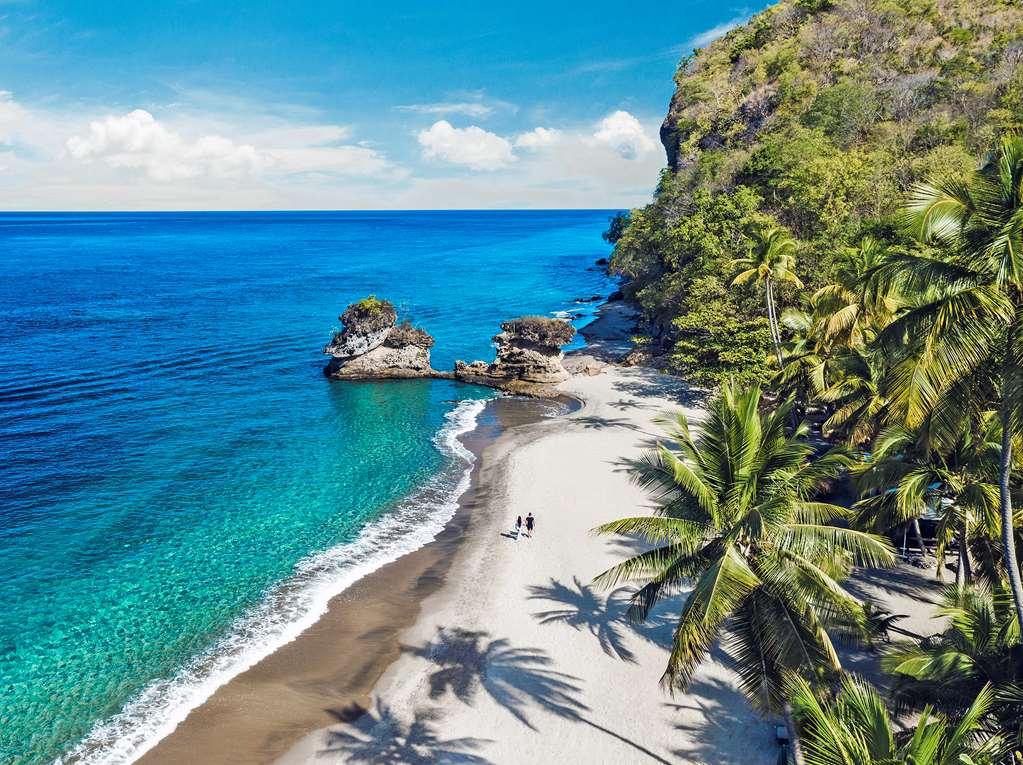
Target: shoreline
(442, 655)
(260, 712)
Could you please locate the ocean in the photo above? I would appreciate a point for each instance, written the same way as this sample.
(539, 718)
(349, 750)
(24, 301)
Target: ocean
(181, 489)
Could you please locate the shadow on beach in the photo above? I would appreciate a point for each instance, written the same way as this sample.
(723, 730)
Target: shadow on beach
(517, 679)
(379, 737)
(605, 617)
(722, 716)
(644, 382)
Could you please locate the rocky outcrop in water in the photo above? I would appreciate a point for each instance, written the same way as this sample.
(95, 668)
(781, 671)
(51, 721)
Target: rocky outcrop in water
(529, 357)
(372, 346)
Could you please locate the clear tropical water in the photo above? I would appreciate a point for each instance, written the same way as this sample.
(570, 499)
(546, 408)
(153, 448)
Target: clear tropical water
(181, 489)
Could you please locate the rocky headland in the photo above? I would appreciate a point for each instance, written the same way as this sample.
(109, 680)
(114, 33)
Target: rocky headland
(529, 358)
(373, 346)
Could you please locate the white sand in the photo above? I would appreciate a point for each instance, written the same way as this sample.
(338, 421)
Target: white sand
(516, 659)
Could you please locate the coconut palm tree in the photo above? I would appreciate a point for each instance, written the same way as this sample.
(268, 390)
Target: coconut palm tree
(801, 375)
(772, 260)
(907, 474)
(972, 308)
(855, 728)
(855, 387)
(737, 523)
(847, 311)
(978, 649)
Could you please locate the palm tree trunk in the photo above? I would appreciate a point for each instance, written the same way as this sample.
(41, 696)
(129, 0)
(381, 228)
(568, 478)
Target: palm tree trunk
(919, 537)
(1005, 504)
(794, 747)
(964, 555)
(772, 320)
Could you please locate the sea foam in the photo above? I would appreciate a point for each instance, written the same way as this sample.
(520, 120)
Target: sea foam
(289, 608)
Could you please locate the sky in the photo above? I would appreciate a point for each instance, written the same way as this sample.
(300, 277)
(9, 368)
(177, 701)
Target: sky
(127, 105)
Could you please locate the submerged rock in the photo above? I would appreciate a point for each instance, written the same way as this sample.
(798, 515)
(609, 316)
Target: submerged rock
(529, 357)
(371, 346)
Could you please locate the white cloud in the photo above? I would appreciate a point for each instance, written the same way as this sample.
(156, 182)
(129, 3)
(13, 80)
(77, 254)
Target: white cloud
(472, 147)
(302, 162)
(710, 35)
(624, 133)
(137, 140)
(537, 138)
(472, 109)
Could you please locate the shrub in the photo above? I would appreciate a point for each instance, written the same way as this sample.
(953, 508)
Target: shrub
(540, 330)
(370, 313)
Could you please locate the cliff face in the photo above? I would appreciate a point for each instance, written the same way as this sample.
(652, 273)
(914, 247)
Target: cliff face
(815, 116)
(529, 356)
(373, 347)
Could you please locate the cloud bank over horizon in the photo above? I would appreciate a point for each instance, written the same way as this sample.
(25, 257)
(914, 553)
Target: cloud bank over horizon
(174, 158)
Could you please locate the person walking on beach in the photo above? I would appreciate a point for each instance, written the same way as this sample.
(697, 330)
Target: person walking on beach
(518, 527)
(529, 525)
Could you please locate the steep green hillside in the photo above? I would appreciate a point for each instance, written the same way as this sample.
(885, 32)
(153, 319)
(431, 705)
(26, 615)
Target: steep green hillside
(816, 117)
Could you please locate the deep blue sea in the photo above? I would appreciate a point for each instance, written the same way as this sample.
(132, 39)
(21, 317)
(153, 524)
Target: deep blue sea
(181, 489)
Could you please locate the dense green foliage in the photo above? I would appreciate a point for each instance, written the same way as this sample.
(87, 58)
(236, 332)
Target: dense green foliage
(737, 521)
(855, 728)
(815, 117)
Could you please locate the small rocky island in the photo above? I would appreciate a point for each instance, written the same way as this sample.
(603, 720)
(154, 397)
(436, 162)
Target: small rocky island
(529, 357)
(373, 346)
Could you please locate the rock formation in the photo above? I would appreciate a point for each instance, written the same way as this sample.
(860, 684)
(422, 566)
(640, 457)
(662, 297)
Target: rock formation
(529, 357)
(371, 346)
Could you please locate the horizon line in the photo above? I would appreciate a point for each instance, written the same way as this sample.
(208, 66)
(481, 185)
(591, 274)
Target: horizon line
(318, 210)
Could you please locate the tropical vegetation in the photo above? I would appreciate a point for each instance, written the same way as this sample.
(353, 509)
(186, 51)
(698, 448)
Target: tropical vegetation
(836, 248)
(737, 521)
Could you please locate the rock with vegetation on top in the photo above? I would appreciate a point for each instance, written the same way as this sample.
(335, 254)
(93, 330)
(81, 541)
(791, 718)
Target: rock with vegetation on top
(529, 357)
(372, 346)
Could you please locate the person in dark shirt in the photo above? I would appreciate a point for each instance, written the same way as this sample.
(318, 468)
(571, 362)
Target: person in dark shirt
(530, 521)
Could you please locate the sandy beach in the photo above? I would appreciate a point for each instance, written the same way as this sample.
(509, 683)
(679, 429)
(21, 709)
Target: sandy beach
(487, 648)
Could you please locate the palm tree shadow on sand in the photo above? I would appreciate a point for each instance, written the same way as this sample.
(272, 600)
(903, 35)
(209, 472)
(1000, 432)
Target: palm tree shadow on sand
(516, 678)
(604, 617)
(380, 737)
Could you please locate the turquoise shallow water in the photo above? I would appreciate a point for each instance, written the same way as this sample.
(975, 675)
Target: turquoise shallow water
(180, 487)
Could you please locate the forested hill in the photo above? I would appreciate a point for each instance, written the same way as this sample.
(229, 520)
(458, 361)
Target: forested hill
(817, 118)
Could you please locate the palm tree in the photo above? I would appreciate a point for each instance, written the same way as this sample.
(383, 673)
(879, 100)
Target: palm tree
(772, 260)
(855, 387)
(736, 521)
(978, 649)
(909, 473)
(801, 375)
(855, 728)
(972, 307)
(847, 310)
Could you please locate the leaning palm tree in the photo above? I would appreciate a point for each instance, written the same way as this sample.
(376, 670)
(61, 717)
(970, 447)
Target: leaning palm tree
(772, 260)
(977, 649)
(736, 523)
(972, 313)
(855, 728)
